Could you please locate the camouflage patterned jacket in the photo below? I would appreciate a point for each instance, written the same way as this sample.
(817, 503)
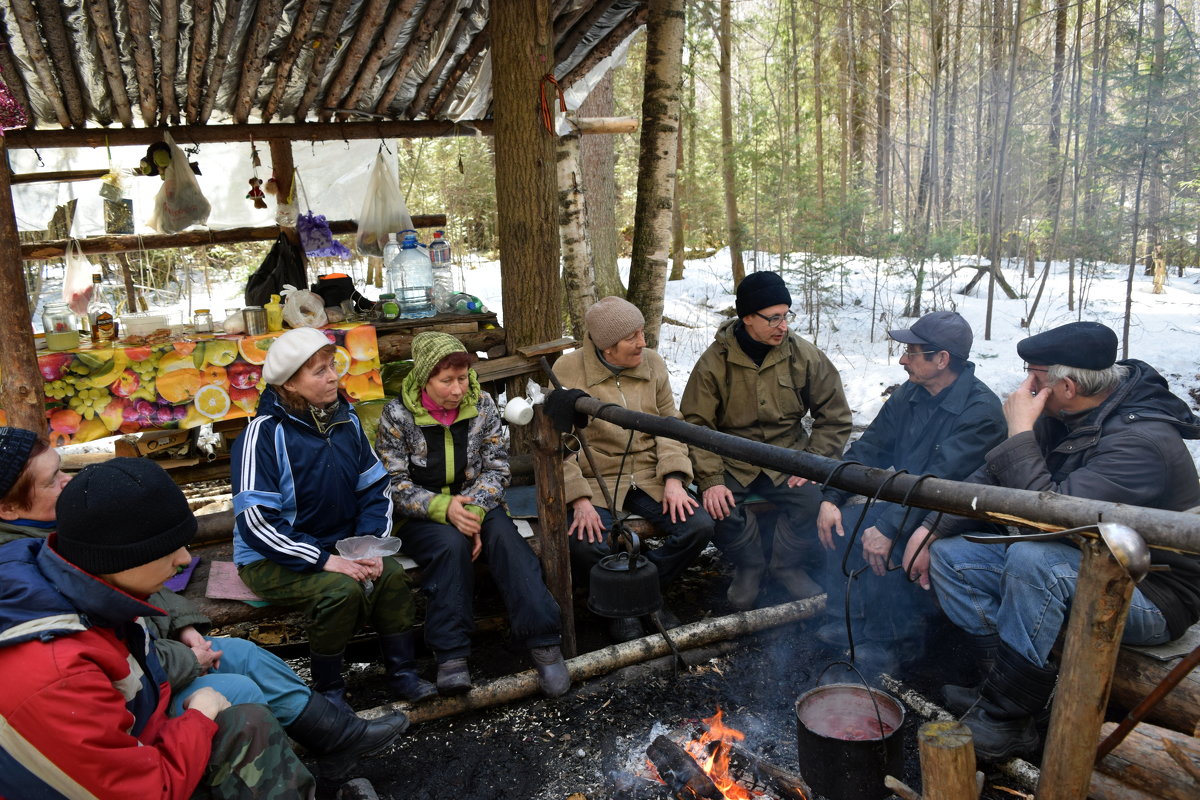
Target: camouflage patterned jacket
(430, 462)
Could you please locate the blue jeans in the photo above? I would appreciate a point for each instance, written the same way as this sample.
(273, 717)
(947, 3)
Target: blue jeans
(249, 674)
(685, 540)
(1022, 592)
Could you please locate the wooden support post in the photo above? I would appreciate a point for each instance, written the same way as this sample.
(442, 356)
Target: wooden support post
(947, 761)
(22, 395)
(552, 519)
(1102, 594)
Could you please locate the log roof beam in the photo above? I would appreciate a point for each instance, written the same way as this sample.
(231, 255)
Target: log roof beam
(421, 99)
(54, 32)
(168, 59)
(323, 50)
(299, 37)
(143, 59)
(369, 69)
(101, 20)
(220, 58)
(26, 17)
(201, 47)
(481, 42)
(366, 40)
(266, 19)
(430, 20)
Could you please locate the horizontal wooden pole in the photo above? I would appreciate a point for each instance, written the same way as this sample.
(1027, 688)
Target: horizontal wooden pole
(292, 131)
(1171, 530)
(606, 124)
(55, 248)
(66, 176)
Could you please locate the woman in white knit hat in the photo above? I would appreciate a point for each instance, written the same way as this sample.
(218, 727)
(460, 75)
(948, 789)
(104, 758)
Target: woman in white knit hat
(648, 475)
(304, 478)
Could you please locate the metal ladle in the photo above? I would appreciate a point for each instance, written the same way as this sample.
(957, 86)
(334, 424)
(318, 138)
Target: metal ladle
(1126, 545)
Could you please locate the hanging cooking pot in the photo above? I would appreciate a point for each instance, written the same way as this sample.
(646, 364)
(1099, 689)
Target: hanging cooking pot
(624, 584)
(846, 740)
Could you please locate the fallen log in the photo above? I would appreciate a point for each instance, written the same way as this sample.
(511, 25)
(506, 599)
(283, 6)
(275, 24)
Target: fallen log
(607, 659)
(1137, 675)
(1144, 763)
(760, 775)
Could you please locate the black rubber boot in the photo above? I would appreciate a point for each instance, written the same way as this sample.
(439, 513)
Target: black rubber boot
(400, 665)
(327, 679)
(960, 698)
(339, 739)
(1014, 692)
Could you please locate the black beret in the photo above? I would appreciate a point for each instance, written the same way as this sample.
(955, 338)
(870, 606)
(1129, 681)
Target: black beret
(1086, 345)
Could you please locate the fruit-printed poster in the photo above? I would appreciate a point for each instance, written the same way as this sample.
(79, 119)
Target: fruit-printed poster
(93, 392)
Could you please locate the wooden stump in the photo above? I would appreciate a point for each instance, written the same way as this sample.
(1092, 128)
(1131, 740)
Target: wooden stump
(947, 761)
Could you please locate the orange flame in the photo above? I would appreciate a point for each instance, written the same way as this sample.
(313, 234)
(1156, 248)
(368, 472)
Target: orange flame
(711, 752)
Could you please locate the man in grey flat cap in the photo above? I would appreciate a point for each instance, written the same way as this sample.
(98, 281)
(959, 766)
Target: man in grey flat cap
(940, 422)
(1081, 424)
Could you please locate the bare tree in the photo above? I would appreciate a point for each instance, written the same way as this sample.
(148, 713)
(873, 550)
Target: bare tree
(656, 164)
(728, 165)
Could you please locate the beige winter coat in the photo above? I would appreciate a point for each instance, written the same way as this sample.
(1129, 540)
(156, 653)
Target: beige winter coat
(650, 459)
(727, 392)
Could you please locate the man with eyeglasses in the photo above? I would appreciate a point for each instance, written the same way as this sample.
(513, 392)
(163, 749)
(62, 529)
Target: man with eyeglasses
(759, 380)
(1081, 424)
(941, 422)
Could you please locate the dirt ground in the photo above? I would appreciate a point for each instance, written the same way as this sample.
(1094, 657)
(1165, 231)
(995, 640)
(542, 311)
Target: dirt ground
(542, 749)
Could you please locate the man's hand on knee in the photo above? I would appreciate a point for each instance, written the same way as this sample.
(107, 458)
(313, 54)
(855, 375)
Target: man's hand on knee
(718, 501)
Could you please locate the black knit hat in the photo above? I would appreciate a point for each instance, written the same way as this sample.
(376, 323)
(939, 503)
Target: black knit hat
(15, 445)
(761, 290)
(1086, 345)
(121, 514)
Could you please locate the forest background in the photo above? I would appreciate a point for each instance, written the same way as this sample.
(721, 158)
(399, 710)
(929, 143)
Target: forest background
(1020, 129)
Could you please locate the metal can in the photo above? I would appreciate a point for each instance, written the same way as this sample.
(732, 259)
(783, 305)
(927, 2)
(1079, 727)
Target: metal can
(255, 320)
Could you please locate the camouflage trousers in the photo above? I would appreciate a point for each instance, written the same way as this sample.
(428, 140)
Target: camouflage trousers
(252, 758)
(336, 605)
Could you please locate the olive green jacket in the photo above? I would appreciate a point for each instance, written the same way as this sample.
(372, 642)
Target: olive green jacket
(727, 392)
(650, 459)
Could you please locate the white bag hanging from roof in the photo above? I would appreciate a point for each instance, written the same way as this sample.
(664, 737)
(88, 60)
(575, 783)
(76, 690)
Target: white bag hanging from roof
(179, 203)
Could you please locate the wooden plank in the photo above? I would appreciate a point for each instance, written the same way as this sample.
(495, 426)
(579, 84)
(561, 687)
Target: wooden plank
(546, 348)
(495, 369)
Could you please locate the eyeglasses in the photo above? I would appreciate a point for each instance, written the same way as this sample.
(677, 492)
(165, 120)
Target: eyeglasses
(909, 351)
(775, 319)
(1036, 369)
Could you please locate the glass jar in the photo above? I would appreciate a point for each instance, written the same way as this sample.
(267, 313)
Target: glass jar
(255, 320)
(387, 309)
(61, 327)
(202, 321)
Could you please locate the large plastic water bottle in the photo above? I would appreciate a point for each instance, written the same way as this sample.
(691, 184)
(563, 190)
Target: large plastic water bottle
(443, 278)
(409, 276)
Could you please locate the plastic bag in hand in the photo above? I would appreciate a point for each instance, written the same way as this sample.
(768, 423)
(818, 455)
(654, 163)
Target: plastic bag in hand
(355, 547)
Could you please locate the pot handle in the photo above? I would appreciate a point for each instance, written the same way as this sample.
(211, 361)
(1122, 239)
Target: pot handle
(867, 686)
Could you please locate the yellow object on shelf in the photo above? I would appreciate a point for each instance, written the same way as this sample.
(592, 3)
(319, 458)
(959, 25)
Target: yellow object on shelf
(274, 311)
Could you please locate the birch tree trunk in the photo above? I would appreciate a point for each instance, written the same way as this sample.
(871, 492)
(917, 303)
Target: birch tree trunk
(728, 172)
(656, 164)
(883, 115)
(598, 167)
(578, 275)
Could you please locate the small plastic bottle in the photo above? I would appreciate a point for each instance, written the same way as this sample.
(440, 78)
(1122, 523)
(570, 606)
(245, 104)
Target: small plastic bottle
(274, 311)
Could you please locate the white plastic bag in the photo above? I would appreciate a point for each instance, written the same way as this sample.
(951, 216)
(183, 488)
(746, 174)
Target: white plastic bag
(302, 308)
(355, 547)
(77, 279)
(179, 203)
(383, 211)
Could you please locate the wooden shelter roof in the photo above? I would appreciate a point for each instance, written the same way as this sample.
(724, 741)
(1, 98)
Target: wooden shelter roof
(120, 65)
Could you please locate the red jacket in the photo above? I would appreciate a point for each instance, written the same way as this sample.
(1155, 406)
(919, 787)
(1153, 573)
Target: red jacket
(83, 711)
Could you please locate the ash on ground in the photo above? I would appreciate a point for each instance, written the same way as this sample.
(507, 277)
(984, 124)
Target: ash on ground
(541, 749)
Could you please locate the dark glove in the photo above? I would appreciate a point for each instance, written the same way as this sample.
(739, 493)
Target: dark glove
(560, 407)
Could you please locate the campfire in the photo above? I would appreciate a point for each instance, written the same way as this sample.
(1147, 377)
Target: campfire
(709, 766)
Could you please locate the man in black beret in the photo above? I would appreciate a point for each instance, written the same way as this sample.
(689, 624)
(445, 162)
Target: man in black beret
(759, 380)
(1081, 424)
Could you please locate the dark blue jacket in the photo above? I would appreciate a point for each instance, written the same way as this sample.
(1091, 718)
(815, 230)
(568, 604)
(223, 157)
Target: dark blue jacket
(297, 491)
(946, 435)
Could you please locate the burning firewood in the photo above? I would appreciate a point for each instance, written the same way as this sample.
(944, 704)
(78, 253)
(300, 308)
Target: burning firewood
(680, 772)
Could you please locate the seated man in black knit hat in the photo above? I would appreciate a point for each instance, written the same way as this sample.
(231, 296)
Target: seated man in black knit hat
(84, 708)
(1081, 424)
(759, 380)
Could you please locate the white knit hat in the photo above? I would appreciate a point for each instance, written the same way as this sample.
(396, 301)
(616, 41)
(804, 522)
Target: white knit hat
(287, 354)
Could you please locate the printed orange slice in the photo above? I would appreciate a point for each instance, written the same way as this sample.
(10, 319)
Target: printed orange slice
(255, 350)
(212, 401)
(341, 361)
